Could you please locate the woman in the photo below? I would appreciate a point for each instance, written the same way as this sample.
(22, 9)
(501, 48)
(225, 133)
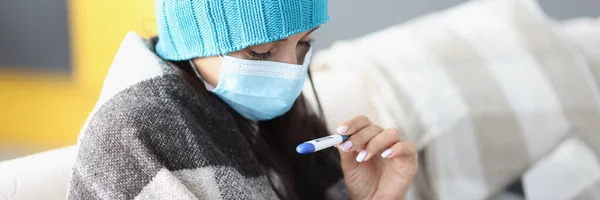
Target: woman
(212, 109)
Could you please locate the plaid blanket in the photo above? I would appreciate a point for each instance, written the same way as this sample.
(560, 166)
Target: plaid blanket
(151, 136)
(142, 141)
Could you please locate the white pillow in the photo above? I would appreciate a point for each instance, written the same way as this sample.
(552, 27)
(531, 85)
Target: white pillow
(585, 34)
(486, 88)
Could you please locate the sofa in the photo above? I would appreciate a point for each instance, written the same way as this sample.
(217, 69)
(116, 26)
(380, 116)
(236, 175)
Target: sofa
(438, 78)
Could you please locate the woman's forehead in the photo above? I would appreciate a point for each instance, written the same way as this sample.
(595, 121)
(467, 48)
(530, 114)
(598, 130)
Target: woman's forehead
(300, 35)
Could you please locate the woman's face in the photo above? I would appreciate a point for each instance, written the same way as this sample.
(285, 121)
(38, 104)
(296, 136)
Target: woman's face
(289, 50)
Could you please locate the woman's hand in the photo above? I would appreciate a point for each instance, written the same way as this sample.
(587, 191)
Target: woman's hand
(376, 163)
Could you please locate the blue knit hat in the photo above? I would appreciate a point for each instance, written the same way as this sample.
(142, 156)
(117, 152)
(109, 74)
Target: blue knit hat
(200, 28)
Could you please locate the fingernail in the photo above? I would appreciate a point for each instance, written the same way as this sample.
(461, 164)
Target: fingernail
(361, 156)
(386, 153)
(346, 145)
(342, 129)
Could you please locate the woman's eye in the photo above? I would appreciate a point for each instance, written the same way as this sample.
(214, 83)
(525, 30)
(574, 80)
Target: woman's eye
(307, 43)
(260, 56)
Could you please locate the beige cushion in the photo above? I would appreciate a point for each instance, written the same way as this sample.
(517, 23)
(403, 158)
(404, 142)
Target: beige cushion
(584, 33)
(487, 88)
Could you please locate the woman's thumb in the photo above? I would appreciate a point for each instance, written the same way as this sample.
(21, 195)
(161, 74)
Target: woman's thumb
(348, 160)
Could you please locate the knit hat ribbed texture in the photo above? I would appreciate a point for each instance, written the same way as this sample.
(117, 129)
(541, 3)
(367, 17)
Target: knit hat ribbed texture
(200, 28)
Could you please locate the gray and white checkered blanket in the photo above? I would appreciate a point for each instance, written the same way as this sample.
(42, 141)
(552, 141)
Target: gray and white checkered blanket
(151, 136)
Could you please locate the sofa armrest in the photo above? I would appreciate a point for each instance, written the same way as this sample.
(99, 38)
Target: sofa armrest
(39, 176)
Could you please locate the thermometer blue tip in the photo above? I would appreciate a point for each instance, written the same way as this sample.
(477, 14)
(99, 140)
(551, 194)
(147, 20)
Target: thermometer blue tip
(345, 137)
(305, 148)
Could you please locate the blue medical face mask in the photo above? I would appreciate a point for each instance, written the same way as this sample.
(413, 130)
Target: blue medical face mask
(261, 90)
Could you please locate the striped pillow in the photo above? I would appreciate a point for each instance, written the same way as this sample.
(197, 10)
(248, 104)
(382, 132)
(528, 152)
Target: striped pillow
(486, 88)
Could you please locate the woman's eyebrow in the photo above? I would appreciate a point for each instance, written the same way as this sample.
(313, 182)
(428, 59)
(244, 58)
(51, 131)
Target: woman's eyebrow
(313, 30)
(309, 32)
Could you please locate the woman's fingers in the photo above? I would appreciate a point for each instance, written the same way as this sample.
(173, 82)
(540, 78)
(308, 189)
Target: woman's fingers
(359, 139)
(354, 125)
(402, 149)
(362, 130)
(348, 160)
(369, 140)
(380, 144)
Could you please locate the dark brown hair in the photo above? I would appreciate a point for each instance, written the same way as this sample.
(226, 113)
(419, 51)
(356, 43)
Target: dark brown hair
(304, 176)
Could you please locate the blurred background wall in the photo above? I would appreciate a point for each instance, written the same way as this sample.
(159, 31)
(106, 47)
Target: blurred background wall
(55, 53)
(44, 106)
(353, 18)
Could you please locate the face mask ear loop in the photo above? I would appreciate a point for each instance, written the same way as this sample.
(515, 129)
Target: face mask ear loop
(312, 84)
(195, 69)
